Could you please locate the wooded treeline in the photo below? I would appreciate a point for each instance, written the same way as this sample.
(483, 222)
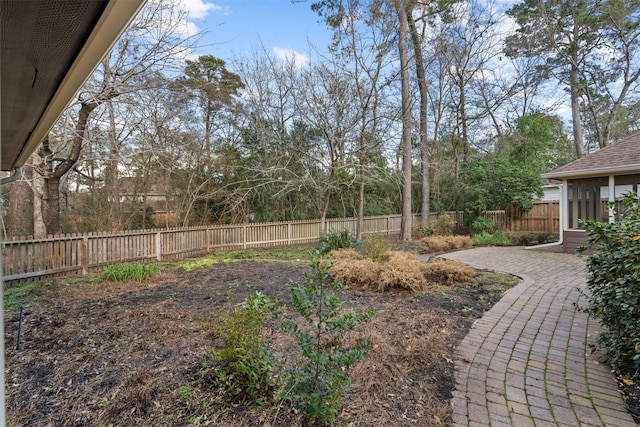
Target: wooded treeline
(415, 106)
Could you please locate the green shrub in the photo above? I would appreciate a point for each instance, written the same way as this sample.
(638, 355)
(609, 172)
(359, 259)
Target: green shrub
(496, 239)
(483, 224)
(318, 385)
(244, 366)
(335, 240)
(613, 283)
(375, 246)
(131, 271)
(443, 225)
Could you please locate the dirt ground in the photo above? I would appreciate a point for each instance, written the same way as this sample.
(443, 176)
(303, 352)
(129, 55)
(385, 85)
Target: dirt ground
(132, 354)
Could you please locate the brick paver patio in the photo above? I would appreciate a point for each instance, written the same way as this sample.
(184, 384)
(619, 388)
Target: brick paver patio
(527, 361)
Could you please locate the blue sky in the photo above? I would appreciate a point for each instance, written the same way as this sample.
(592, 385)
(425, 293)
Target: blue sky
(235, 27)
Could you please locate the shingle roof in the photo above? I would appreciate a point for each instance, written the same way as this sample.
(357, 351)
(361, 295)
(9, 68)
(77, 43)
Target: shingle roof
(620, 158)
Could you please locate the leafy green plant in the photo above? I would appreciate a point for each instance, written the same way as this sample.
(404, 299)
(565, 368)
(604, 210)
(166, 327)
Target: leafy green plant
(334, 240)
(613, 283)
(184, 392)
(318, 386)
(133, 271)
(244, 365)
(375, 246)
(483, 224)
(496, 239)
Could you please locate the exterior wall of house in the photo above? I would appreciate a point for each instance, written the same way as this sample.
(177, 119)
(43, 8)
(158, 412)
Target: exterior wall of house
(572, 239)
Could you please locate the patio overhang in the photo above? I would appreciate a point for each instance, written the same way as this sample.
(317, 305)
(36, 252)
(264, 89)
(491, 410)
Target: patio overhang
(48, 50)
(593, 172)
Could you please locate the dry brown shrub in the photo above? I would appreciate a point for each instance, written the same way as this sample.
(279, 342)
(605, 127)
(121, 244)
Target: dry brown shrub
(436, 243)
(345, 255)
(460, 242)
(402, 270)
(356, 273)
(447, 272)
(446, 243)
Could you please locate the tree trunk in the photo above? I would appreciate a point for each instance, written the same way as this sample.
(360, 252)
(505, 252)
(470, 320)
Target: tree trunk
(50, 203)
(424, 140)
(360, 223)
(578, 139)
(406, 226)
(20, 210)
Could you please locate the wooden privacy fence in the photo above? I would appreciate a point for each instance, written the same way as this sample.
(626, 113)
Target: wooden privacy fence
(542, 217)
(79, 254)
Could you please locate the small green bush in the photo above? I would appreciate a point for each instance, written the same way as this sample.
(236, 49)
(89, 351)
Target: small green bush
(496, 239)
(318, 386)
(244, 366)
(483, 224)
(335, 240)
(613, 283)
(443, 225)
(375, 246)
(132, 271)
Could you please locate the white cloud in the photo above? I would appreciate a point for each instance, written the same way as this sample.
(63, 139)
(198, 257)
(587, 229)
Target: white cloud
(299, 59)
(199, 9)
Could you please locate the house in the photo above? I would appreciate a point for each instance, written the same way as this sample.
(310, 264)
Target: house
(591, 182)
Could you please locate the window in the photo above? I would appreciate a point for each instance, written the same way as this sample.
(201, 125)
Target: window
(589, 198)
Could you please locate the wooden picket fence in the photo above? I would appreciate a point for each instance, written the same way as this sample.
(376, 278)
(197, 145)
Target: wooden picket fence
(79, 254)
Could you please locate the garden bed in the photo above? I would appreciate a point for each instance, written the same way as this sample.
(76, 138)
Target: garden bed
(132, 354)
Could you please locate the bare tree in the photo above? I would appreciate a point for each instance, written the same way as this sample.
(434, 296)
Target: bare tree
(154, 40)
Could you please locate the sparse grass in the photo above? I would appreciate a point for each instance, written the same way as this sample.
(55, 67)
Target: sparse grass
(279, 253)
(198, 263)
(18, 295)
(500, 279)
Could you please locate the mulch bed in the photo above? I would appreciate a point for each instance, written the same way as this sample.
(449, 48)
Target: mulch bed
(132, 354)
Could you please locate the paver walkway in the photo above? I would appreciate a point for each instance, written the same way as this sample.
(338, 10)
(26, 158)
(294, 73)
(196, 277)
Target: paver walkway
(527, 361)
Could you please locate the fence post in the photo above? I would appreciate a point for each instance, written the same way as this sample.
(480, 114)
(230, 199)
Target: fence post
(244, 236)
(159, 245)
(289, 234)
(84, 255)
